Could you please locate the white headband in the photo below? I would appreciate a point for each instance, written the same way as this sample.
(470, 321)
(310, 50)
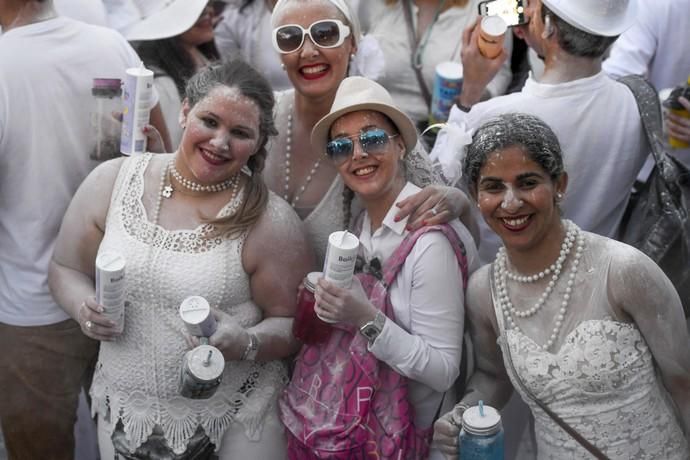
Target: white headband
(342, 6)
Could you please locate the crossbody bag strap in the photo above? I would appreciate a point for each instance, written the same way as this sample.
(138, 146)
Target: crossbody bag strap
(591, 448)
(412, 37)
(650, 113)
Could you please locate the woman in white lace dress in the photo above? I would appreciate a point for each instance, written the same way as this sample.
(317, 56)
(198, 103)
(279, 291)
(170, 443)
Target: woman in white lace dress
(594, 328)
(318, 40)
(199, 221)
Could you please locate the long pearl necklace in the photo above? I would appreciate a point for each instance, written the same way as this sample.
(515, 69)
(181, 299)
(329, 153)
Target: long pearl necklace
(196, 187)
(573, 235)
(288, 170)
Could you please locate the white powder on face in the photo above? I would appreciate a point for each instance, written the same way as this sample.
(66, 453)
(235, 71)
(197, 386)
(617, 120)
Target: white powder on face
(222, 97)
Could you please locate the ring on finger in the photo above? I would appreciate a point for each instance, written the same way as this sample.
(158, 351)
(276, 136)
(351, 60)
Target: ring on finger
(433, 211)
(88, 325)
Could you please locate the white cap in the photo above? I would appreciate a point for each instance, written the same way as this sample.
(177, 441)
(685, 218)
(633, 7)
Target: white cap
(484, 421)
(607, 18)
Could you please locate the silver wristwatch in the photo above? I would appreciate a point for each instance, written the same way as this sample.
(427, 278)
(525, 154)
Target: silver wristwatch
(373, 328)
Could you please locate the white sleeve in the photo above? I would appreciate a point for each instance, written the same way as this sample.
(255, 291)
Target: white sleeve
(499, 84)
(634, 50)
(430, 352)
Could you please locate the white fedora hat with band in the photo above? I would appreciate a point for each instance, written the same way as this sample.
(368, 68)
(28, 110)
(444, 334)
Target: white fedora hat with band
(359, 93)
(164, 18)
(599, 17)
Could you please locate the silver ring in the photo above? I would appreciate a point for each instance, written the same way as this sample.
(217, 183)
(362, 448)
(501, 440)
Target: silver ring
(88, 325)
(433, 211)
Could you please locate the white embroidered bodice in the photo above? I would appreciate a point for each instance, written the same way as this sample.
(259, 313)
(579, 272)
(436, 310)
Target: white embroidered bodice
(599, 376)
(602, 382)
(328, 215)
(137, 376)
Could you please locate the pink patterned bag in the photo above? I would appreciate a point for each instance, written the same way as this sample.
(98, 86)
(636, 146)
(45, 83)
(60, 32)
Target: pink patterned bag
(342, 402)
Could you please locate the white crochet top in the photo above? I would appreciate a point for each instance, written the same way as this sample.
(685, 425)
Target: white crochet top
(137, 376)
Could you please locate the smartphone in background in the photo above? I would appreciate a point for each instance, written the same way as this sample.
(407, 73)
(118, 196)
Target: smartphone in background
(512, 11)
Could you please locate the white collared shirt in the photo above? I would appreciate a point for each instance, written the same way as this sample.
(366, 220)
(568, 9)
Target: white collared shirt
(425, 341)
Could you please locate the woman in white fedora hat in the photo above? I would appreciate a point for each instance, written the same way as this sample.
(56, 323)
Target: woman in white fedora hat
(319, 42)
(368, 140)
(174, 38)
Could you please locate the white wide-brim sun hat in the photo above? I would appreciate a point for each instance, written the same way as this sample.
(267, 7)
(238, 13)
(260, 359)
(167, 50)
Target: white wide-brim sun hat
(607, 18)
(359, 93)
(164, 18)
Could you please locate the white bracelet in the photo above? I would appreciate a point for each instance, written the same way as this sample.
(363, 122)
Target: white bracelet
(252, 348)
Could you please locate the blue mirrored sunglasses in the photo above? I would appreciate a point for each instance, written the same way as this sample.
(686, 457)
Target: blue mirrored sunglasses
(372, 141)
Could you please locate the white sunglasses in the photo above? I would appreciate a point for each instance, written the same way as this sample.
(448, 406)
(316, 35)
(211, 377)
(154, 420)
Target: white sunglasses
(327, 33)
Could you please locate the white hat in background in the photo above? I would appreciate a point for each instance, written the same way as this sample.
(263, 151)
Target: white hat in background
(599, 17)
(164, 18)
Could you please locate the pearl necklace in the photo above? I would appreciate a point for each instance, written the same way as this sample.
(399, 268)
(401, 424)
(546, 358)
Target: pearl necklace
(195, 187)
(501, 271)
(288, 176)
(554, 268)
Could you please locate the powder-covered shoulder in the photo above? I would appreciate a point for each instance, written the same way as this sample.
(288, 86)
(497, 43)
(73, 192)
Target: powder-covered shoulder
(280, 233)
(632, 277)
(622, 256)
(282, 220)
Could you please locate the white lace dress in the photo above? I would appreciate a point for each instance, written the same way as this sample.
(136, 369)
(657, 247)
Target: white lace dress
(600, 378)
(136, 379)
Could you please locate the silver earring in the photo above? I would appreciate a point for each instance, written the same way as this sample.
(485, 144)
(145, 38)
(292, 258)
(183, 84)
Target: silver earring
(548, 28)
(247, 170)
(559, 196)
(282, 66)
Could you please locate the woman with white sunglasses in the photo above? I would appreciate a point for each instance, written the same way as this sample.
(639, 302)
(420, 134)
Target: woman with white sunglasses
(317, 41)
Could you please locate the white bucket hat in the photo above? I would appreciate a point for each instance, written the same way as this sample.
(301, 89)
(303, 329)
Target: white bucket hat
(607, 18)
(359, 93)
(164, 18)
